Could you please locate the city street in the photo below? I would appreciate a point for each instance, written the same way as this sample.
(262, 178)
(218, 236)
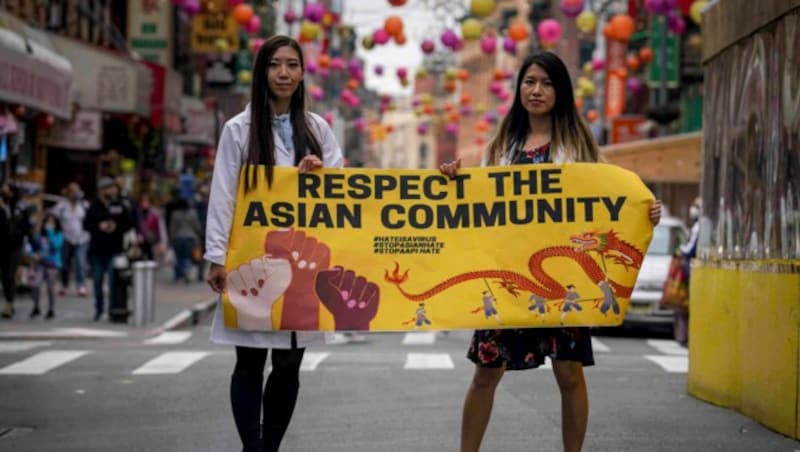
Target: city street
(396, 392)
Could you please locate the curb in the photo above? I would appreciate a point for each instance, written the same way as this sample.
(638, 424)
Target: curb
(190, 316)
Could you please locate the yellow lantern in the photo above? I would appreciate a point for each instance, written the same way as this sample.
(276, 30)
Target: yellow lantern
(586, 85)
(222, 45)
(695, 10)
(309, 30)
(586, 21)
(471, 29)
(481, 8)
(450, 73)
(421, 73)
(426, 98)
(587, 68)
(245, 77)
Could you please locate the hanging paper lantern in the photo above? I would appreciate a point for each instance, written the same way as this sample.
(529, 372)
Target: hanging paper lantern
(245, 77)
(503, 110)
(337, 63)
(646, 54)
(359, 123)
(675, 22)
(427, 46)
(622, 72)
(634, 85)
(451, 128)
(490, 117)
(471, 29)
(328, 117)
(309, 30)
(488, 44)
(586, 21)
(633, 62)
(571, 8)
(353, 84)
(313, 12)
(695, 11)
(324, 60)
(353, 67)
(449, 39)
(421, 73)
(504, 95)
(482, 126)
(243, 13)
(393, 25)
(396, 3)
(518, 31)
(509, 45)
(450, 86)
(311, 67)
(579, 103)
(598, 64)
(254, 26)
(481, 8)
(462, 75)
(324, 72)
(465, 99)
(422, 128)
(290, 16)
(495, 87)
(622, 27)
(549, 31)
(222, 45)
(400, 39)
(402, 73)
(255, 44)
(380, 36)
(586, 86)
(587, 68)
(498, 75)
(378, 69)
(592, 115)
(465, 111)
(191, 7)
(694, 41)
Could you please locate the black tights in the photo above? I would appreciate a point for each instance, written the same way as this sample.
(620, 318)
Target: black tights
(277, 399)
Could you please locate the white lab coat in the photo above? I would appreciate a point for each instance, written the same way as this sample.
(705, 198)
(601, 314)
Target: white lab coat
(231, 155)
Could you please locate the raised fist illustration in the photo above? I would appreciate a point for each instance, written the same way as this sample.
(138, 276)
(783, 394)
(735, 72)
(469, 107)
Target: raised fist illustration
(253, 289)
(307, 257)
(351, 299)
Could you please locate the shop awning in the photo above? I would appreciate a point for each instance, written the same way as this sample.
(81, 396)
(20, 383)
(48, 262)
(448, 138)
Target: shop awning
(108, 82)
(675, 158)
(31, 74)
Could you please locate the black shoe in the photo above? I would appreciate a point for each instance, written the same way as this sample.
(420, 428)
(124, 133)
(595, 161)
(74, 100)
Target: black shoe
(97, 315)
(35, 312)
(49, 315)
(8, 311)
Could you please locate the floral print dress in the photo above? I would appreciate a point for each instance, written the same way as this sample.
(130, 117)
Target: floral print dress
(527, 348)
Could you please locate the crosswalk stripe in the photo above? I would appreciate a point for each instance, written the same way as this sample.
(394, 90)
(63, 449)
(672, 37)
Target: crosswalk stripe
(169, 338)
(312, 359)
(599, 346)
(428, 361)
(672, 364)
(42, 362)
(170, 363)
(21, 346)
(419, 338)
(668, 347)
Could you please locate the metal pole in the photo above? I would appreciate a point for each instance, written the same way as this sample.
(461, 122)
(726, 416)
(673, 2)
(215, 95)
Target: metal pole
(139, 309)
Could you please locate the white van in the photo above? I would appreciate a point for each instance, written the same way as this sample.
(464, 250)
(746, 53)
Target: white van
(643, 309)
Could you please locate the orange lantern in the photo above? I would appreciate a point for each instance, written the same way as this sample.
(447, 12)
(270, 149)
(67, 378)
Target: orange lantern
(466, 99)
(608, 31)
(646, 54)
(243, 13)
(518, 31)
(579, 103)
(453, 116)
(482, 126)
(592, 115)
(352, 84)
(499, 75)
(622, 72)
(324, 60)
(450, 86)
(479, 141)
(463, 75)
(633, 62)
(400, 39)
(427, 109)
(393, 25)
(447, 106)
(389, 128)
(622, 27)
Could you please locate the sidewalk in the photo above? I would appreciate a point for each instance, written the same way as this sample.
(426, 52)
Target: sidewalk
(177, 304)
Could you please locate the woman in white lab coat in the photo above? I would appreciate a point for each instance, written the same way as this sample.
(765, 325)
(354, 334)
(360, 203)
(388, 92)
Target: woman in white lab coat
(274, 130)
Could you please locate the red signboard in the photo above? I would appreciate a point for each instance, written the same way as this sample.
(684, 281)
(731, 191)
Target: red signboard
(615, 78)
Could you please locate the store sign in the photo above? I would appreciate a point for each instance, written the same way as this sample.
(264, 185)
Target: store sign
(671, 49)
(615, 82)
(627, 128)
(210, 30)
(29, 81)
(150, 30)
(84, 132)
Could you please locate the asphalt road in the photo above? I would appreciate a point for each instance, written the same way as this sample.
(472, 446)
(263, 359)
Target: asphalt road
(381, 396)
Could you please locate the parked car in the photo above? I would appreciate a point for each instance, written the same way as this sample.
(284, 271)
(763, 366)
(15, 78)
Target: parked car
(643, 309)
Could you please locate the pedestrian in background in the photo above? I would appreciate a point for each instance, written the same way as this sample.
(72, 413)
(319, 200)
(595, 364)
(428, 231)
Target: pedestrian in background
(14, 227)
(184, 234)
(148, 229)
(688, 250)
(542, 126)
(274, 130)
(71, 211)
(44, 247)
(107, 220)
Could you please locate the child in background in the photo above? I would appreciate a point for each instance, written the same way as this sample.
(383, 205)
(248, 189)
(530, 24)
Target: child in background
(44, 253)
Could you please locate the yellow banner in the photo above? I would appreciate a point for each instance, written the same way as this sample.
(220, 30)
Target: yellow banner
(393, 250)
(209, 30)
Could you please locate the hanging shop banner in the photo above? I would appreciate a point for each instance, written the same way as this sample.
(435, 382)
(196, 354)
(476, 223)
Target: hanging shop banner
(83, 132)
(615, 78)
(214, 33)
(657, 33)
(628, 128)
(150, 29)
(394, 250)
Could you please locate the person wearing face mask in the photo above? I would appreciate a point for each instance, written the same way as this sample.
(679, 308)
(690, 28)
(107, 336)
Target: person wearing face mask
(71, 212)
(688, 250)
(107, 220)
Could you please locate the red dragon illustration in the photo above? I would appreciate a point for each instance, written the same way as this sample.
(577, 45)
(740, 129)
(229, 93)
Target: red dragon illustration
(607, 245)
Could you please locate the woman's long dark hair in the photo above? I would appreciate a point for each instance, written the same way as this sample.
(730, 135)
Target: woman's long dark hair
(569, 130)
(261, 147)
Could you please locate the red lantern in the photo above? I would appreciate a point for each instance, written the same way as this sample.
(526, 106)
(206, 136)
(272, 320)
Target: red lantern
(393, 25)
(397, 2)
(243, 13)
